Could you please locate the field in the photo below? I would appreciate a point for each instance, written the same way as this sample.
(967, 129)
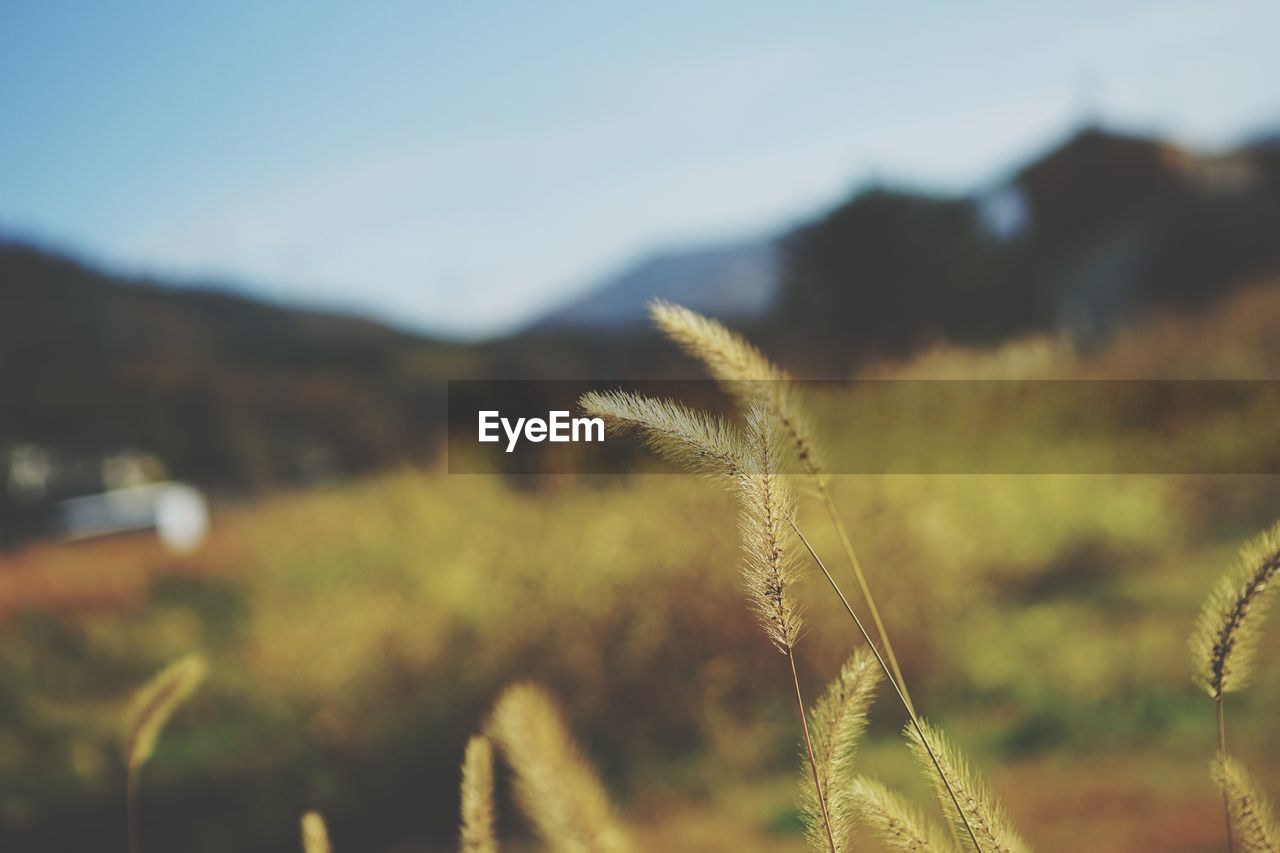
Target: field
(359, 633)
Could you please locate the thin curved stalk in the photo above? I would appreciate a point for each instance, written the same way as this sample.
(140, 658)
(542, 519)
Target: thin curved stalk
(915, 721)
(808, 746)
(847, 544)
(1222, 750)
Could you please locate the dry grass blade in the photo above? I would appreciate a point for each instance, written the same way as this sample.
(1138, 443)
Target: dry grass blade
(769, 566)
(1225, 638)
(148, 712)
(899, 826)
(477, 834)
(957, 787)
(695, 441)
(554, 785)
(913, 720)
(755, 381)
(315, 835)
(727, 355)
(744, 371)
(155, 702)
(836, 724)
(1253, 825)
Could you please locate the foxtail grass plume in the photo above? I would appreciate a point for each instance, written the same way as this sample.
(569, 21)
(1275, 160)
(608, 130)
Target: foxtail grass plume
(315, 835)
(836, 724)
(698, 442)
(769, 566)
(477, 835)
(984, 815)
(554, 785)
(899, 826)
(1253, 824)
(744, 371)
(754, 380)
(155, 702)
(1225, 638)
(149, 710)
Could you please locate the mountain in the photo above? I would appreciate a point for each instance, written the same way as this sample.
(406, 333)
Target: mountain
(1090, 234)
(234, 393)
(226, 390)
(1096, 233)
(733, 281)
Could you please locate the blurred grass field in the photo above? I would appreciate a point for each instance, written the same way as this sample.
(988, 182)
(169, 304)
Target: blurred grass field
(358, 634)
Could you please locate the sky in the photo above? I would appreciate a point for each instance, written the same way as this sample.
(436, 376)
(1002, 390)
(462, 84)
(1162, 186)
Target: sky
(460, 167)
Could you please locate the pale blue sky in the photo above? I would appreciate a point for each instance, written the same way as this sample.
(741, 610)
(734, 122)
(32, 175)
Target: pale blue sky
(459, 167)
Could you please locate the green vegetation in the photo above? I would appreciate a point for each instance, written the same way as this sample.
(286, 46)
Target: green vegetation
(357, 636)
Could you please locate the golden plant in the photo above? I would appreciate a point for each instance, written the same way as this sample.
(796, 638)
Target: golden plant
(695, 441)
(727, 356)
(477, 834)
(914, 722)
(707, 445)
(315, 835)
(749, 376)
(702, 444)
(1224, 641)
(1253, 824)
(769, 564)
(899, 825)
(836, 724)
(148, 712)
(968, 803)
(769, 569)
(554, 785)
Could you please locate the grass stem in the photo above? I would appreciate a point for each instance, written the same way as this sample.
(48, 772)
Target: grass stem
(808, 746)
(1222, 750)
(845, 542)
(915, 721)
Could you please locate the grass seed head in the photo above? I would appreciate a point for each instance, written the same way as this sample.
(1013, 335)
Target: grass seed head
(1253, 823)
(155, 703)
(1225, 640)
(477, 833)
(554, 785)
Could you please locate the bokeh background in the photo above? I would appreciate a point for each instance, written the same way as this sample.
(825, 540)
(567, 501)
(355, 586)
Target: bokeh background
(244, 246)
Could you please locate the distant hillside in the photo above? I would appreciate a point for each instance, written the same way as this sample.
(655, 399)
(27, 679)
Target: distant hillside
(1086, 237)
(1092, 235)
(736, 281)
(228, 391)
(223, 389)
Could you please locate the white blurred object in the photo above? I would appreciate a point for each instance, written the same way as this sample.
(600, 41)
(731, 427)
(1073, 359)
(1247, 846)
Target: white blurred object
(177, 512)
(30, 469)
